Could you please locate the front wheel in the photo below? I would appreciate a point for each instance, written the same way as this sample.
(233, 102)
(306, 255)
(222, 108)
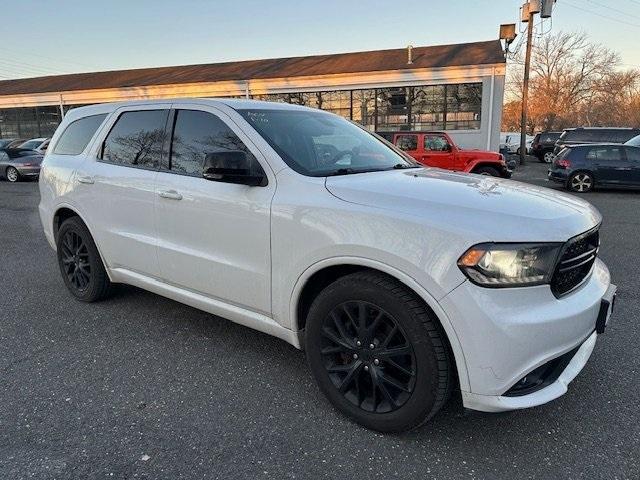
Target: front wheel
(12, 174)
(377, 352)
(487, 171)
(80, 263)
(580, 182)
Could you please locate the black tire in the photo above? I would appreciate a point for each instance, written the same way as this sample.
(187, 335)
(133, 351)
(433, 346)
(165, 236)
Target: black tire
(422, 377)
(80, 263)
(581, 182)
(487, 171)
(12, 175)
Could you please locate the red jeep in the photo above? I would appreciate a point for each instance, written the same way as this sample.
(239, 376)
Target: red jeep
(437, 149)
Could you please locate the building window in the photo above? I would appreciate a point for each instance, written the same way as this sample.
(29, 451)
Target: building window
(464, 102)
(427, 108)
(364, 108)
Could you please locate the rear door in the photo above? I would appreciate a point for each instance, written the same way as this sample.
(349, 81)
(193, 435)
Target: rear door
(437, 151)
(118, 187)
(408, 142)
(610, 164)
(213, 237)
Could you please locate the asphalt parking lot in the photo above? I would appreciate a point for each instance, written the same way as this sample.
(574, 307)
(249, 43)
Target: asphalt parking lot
(139, 386)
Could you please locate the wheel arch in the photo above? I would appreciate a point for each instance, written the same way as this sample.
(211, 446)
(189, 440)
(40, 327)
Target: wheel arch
(321, 274)
(476, 164)
(64, 212)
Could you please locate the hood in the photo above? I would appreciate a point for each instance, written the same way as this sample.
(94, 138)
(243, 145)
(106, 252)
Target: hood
(482, 207)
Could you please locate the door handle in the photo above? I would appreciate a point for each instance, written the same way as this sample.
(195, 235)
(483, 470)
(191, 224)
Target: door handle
(170, 194)
(85, 179)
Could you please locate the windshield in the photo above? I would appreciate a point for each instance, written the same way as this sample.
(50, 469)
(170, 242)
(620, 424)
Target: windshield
(318, 144)
(31, 144)
(634, 142)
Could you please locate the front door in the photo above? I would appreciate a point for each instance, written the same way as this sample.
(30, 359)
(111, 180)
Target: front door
(117, 187)
(633, 157)
(437, 152)
(213, 237)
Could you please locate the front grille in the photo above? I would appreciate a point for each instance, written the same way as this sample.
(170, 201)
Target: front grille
(577, 257)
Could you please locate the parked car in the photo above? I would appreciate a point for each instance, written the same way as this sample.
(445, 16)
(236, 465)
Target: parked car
(401, 282)
(581, 168)
(10, 143)
(437, 149)
(585, 135)
(510, 143)
(543, 145)
(40, 145)
(17, 164)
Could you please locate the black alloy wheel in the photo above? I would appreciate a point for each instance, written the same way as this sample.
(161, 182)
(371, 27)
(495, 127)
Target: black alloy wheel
(80, 263)
(367, 357)
(377, 352)
(75, 260)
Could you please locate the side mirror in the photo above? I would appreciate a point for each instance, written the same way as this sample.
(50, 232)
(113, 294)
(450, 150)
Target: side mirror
(233, 166)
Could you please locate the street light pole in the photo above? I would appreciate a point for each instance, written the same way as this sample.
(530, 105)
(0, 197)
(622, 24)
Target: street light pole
(525, 91)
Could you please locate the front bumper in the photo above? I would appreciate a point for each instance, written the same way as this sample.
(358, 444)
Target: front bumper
(505, 334)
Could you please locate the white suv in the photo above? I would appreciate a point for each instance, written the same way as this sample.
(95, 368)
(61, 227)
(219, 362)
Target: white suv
(402, 283)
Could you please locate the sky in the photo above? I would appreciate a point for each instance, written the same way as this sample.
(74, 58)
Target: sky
(43, 37)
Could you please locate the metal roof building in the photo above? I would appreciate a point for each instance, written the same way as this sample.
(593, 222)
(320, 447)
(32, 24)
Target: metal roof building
(458, 88)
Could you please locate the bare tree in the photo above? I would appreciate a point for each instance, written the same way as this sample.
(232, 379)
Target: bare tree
(573, 82)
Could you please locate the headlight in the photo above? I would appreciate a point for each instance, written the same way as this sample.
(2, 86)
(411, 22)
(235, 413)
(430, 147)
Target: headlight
(510, 264)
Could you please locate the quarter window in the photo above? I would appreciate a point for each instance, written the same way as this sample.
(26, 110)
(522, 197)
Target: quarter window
(633, 154)
(197, 134)
(76, 136)
(136, 139)
(407, 143)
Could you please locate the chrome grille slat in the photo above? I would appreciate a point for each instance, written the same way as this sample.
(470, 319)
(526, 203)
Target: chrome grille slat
(593, 250)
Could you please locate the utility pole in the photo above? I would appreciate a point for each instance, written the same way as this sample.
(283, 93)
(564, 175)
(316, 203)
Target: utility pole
(529, 10)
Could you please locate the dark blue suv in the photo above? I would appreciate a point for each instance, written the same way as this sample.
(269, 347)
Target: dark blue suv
(580, 168)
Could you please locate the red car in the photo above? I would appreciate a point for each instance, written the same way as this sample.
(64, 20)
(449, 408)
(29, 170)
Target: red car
(437, 149)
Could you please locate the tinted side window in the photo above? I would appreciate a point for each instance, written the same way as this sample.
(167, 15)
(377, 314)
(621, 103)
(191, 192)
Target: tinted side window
(407, 142)
(605, 154)
(633, 154)
(76, 136)
(136, 139)
(436, 143)
(197, 134)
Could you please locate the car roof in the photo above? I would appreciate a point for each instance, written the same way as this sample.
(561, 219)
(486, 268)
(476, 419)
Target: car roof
(236, 104)
(599, 128)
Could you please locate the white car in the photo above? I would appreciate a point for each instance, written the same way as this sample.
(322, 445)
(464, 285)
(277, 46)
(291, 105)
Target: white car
(510, 142)
(402, 283)
(39, 145)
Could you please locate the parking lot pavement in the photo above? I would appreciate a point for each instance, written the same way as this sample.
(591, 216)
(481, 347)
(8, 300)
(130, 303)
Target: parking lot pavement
(139, 386)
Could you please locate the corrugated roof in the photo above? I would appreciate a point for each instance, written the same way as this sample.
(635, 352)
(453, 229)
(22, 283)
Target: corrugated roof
(477, 53)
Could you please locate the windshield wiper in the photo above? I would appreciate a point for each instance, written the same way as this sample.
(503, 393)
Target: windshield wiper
(402, 166)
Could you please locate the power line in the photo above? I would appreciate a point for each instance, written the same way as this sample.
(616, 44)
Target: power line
(27, 66)
(613, 9)
(582, 9)
(55, 60)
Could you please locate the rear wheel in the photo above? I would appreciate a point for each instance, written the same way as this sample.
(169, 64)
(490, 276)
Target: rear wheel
(580, 182)
(80, 263)
(377, 353)
(12, 174)
(548, 157)
(487, 171)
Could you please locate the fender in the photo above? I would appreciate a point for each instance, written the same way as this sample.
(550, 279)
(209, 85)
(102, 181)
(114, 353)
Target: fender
(406, 280)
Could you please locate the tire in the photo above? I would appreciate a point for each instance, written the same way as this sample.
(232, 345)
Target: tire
(399, 374)
(487, 171)
(80, 264)
(548, 157)
(580, 182)
(12, 175)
